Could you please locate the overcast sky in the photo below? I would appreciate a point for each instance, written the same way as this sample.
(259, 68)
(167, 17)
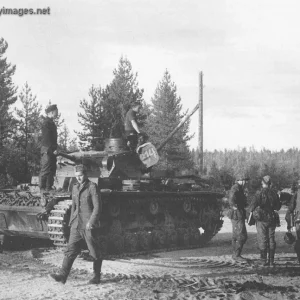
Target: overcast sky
(249, 52)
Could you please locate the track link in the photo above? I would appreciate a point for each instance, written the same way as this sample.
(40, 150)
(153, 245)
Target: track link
(58, 223)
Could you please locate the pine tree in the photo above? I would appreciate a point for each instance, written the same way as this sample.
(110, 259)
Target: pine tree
(7, 94)
(65, 142)
(166, 115)
(93, 118)
(28, 127)
(121, 94)
(7, 99)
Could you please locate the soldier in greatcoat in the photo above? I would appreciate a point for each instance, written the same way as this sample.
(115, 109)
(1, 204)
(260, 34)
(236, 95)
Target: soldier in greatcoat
(85, 225)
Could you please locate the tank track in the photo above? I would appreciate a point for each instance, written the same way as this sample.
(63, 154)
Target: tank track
(58, 220)
(59, 232)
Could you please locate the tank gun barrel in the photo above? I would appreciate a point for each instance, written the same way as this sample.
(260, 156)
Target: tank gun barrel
(177, 127)
(68, 156)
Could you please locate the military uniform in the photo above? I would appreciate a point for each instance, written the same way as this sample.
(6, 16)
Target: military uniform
(294, 209)
(130, 132)
(86, 209)
(238, 200)
(263, 205)
(48, 158)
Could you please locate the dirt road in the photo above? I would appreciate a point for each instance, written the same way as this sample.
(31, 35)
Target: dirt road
(205, 273)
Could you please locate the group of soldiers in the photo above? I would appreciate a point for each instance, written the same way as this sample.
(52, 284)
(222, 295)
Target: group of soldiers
(87, 205)
(262, 211)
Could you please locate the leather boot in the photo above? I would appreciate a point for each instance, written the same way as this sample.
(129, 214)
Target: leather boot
(43, 181)
(97, 264)
(298, 257)
(65, 270)
(271, 257)
(233, 250)
(49, 182)
(263, 257)
(238, 256)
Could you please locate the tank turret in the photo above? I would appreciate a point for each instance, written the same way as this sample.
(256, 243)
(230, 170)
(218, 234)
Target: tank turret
(116, 161)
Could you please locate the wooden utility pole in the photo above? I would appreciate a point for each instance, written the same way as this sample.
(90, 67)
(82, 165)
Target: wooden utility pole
(200, 137)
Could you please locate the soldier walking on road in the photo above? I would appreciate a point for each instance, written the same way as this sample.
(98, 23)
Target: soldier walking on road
(48, 149)
(263, 206)
(237, 214)
(85, 224)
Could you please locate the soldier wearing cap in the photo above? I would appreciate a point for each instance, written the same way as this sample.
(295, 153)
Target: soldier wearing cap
(265, 202)
(294, 210)
(131, 127)
(237, 214)
(48, 148)
(85, 224)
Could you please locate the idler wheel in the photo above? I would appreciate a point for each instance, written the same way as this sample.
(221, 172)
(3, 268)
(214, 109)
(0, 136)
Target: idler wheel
(187, 206)
(144, 240)
(130, 242)
(154, 207)
(158, 239)
(114, 208)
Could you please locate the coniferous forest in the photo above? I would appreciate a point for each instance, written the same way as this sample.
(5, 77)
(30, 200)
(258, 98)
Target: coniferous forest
(101, 115)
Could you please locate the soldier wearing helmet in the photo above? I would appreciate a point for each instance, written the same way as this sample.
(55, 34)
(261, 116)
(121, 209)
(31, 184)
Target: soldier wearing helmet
(237, 214)
(294, 210)
(265, 202)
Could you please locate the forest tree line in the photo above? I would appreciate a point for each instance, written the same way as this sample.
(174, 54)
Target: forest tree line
(101, 115)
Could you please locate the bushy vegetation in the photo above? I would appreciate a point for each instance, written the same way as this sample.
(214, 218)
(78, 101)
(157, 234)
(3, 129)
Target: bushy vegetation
(282, 166)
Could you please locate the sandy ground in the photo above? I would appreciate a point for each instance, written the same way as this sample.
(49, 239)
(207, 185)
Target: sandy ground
(205, 273)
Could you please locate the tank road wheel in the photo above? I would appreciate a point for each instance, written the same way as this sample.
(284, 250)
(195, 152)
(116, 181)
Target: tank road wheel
(114, 208)
(153, 207)
(172, 237)
(130, 242)
(187, 206)
(144, 239)
(183, 237)
(158, 239)
(116, 244)
(195, 236)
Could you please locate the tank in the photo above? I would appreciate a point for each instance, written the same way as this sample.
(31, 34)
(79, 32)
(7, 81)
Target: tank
(144, 211)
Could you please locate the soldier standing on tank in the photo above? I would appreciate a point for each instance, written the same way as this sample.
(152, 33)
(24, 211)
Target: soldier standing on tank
(237, 214)
(48, 149)
(131, 127)
(265, 202)
(85, 225)
(294, 210)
